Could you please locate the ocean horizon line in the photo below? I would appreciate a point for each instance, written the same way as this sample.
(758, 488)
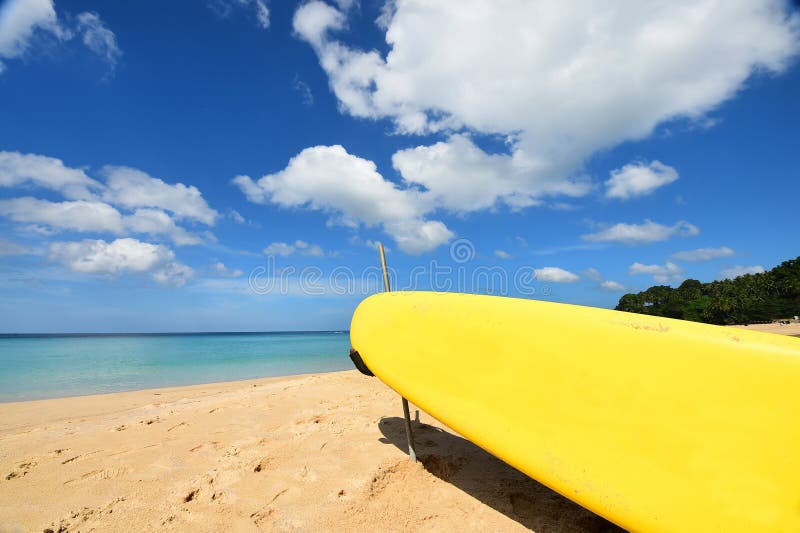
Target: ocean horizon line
(167, 333)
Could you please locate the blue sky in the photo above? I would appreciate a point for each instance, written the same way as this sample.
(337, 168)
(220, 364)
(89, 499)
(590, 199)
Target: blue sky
(161, 164)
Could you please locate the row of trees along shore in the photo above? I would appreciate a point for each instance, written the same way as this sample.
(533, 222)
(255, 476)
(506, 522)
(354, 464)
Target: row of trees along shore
(750, 298)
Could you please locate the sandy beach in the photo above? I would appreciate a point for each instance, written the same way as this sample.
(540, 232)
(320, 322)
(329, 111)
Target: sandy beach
(318, 452)
(792, 328)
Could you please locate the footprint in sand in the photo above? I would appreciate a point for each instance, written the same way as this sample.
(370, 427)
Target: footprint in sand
(81, 517)
(79, 457)
(100, 474)
(191, 496)
(21, 471)
(262, 465)
(177, 426)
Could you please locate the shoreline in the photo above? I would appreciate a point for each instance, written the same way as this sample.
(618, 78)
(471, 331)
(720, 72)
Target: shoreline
(168, 388)
(792, 329)
(86, 405)
(310, 452)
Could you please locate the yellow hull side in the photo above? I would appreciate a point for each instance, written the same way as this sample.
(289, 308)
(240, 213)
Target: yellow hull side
(655, 424)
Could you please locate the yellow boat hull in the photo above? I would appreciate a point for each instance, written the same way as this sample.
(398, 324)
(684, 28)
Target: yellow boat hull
(655, 424)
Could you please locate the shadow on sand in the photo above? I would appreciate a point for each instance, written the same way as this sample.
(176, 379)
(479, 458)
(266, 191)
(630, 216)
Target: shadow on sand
(481, 475)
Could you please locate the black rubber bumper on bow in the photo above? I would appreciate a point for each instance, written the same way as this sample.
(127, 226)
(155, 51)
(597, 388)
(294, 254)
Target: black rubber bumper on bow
(360, 365)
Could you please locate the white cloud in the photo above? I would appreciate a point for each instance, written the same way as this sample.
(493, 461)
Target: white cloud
(313, 20)
(12, 248)
(555, 275)
(279, 248)
(156, 222)
(646, 232)
(21, 20)
(502, 254)
(639, 179)
(309, 249)
(351, 191)
(236, 216)
(79, 215)
(126, 187)
(262, 13)
(461, 177)
(173, 274)
(48, 218)
(593, 274)
(613, 286)
(345, 5)
(566, 79)
(299, 247)
(369, 243)
(703, 254)
(98, 38)
(668, 273)
(119, 257)
(736, 271)
(132, 188)
(219, 269)
(304, 91)
(18, 169)
(259, 8)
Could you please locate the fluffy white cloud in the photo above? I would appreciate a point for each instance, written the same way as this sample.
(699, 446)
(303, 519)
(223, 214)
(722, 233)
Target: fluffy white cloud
(352, 192)
(120, 256)
(502, 254)
(565, 80)
(309, 249)
(126, 187)
(736, 271)
(18, 169)
(668, 273)
(101, 257)
(279, 248)
(156, 222)
(461, 177)
(555, 275)
(132, 188)
(299, 247)
(259, 8)
(21, 19)
(639, 179)
(613, 286)
(98, 38)
(703, 254)
(313, 20)
(79, 215)
(93, 216)
(219, 269)
(174, 274)
(646, 232)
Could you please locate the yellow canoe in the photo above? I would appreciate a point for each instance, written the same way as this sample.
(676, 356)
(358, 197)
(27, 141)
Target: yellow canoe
(655, 424)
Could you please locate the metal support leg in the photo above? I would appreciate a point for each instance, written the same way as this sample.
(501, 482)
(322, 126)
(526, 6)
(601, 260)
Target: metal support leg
(409, 435)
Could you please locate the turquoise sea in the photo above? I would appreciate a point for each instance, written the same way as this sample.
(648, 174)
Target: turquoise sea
(50, 366)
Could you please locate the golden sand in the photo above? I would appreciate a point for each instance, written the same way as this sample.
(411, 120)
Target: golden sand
(307, 453)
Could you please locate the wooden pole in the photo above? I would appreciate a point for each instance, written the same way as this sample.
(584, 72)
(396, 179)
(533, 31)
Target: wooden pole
(412, 452)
